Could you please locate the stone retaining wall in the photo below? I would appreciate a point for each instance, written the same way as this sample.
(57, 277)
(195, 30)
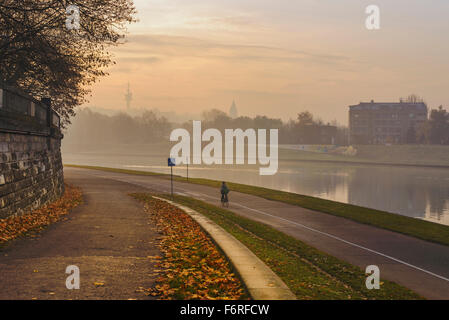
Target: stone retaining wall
(31, 172)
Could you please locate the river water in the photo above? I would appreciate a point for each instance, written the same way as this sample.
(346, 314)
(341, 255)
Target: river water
(417, 192)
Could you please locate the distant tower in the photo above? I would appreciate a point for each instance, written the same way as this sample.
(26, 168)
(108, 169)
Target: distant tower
(128, 98)
(233, 111)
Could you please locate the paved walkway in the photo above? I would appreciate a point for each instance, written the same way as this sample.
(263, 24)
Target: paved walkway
(109, 238)
(416, 264)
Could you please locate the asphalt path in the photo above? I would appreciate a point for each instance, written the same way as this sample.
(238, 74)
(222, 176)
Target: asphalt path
(109, 238)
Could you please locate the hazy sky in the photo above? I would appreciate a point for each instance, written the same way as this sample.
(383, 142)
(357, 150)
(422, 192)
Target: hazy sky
(279, 57)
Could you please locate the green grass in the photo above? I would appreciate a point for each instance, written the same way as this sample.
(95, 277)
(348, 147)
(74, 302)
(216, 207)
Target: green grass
(309, 273)
(408, 154)
(421, 229)
(395, 155)
(140, 173)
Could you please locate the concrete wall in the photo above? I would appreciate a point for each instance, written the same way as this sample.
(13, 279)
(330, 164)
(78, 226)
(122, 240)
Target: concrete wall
(31, 172)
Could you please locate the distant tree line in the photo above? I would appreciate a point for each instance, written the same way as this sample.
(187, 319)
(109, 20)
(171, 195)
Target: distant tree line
(303, 130)
(95, 128)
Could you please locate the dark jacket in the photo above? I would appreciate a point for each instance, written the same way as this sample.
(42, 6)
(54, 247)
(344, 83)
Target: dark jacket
(224, 189)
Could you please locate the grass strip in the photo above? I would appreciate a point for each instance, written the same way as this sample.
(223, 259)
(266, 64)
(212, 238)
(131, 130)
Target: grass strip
(417, 228)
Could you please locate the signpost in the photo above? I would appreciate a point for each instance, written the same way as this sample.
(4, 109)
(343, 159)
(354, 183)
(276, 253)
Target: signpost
(171, 164)
(187, 161)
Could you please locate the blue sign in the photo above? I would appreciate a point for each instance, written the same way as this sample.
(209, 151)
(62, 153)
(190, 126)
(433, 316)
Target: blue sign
(171, 162)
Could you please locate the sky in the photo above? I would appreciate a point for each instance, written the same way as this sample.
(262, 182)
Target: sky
(279, 57)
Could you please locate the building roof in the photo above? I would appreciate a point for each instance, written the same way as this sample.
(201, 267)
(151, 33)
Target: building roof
(389, 105)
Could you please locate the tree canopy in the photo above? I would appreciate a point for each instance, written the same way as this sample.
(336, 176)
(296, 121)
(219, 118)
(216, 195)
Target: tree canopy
(439, 126)
(41, 56)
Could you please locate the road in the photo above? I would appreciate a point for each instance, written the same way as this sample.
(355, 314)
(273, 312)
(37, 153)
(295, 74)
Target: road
(419, 265)
(108, 238)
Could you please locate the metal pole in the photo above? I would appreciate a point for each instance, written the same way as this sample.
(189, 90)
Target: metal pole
(171, 170)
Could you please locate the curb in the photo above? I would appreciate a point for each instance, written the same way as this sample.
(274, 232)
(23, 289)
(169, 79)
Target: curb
(262, 283)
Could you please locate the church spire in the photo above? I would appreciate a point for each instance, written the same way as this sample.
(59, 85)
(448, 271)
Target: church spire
(233, 110)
